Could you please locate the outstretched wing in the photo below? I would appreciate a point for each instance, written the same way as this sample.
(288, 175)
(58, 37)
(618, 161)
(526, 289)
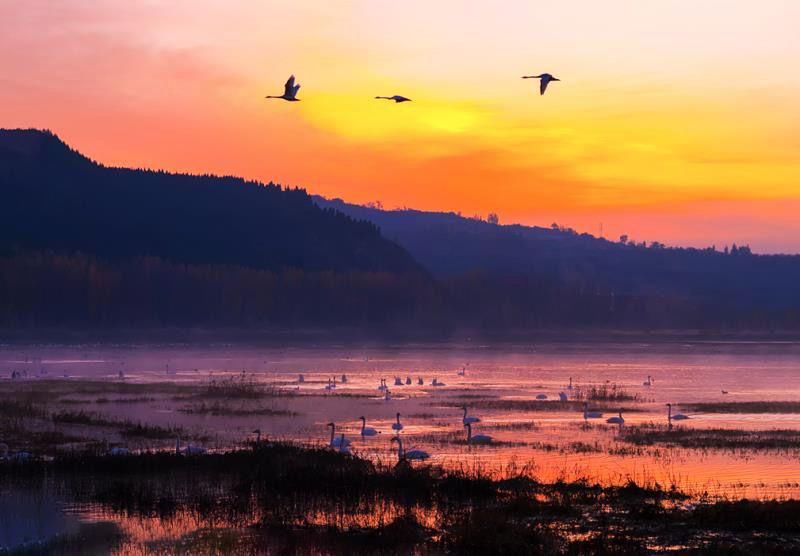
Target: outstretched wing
(288, 88)
(543, 85)
(295, 89)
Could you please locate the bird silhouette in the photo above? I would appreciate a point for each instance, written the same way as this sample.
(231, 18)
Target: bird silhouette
(397, 98)
(544, 80)
(289, 91)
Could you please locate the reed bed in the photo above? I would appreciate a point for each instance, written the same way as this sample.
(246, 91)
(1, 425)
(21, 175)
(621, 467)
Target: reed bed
(273, 497)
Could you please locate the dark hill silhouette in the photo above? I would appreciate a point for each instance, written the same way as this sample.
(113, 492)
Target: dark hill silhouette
(450, 245)
(53, 198)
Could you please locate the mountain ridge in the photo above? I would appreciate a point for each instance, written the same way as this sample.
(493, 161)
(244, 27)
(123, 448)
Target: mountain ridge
(53, 197)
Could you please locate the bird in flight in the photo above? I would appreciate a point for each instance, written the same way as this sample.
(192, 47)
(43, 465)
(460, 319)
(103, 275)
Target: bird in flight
(289, 91)
(544, 80)
(397, 98)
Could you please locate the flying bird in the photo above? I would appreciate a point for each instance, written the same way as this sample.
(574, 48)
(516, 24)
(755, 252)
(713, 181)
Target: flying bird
(397, 98)
(289, 91)
(544, 80)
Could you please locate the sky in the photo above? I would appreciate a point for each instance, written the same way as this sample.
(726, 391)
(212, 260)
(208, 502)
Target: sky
(674, 121)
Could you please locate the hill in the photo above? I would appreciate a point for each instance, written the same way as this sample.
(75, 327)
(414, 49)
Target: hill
(53, 198)
(450, 245)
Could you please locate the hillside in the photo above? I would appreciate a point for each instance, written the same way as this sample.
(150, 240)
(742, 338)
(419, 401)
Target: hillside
(450, 245)
(53, 198)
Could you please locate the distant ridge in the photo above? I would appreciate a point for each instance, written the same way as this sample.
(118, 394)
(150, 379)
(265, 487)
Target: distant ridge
(52, 197)
(451, 245)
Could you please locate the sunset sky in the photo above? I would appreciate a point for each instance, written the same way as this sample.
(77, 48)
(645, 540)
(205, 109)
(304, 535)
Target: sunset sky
(676, 121)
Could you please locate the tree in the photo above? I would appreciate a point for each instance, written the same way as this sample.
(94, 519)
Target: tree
(492, 218)
(623, 239)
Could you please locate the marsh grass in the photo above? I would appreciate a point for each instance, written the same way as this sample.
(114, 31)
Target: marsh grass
(607, 392)
(319, 501)
(219, 409)
(731, 439)
(126, 428)
(744, 407)
(532, 406)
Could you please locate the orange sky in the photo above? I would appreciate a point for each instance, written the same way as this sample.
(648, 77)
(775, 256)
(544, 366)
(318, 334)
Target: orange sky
(674, 121)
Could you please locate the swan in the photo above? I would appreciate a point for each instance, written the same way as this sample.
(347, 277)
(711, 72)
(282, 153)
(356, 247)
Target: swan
(478, 438)
(408, 380)
(420, 381)
(562, 396)
(398, 381)
(190, 450)
(462, 372)
(590, 414)
(466, 419)
(344, 447)
(257, 432)
(397, 426)
(396, 98)
(402, 455)
(289, 91)
(435, 382)
(544, 80)
(383, 386)
(570, 384)
(337, 442)
(20, 456)
(724, 391)
(365, 430)
(616, 420)
(541, 397)
(344, 379)
(676, 417)
(116, 450)
(301, 379)
(648, 382)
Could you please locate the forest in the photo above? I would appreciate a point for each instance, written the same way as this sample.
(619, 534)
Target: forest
(84, 245)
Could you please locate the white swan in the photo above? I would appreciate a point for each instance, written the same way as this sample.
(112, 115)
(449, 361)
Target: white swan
(289, 91)
(570, 384)
(344, 379)
(466, 419)
(397, 426)
(301, 379)
(544, 80)
(590, 414)
(116, 450)
(383, 386)
(648, 382)
(190, 450)
(408, 380)
(478, 438)
(676, 417)
(619, 420)
(562, 396)
(365, 430)
(337, 442)
(420, 381)
(396, 98)
(541, 397)
(344, 445)
(402, 455)
(398, 381)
